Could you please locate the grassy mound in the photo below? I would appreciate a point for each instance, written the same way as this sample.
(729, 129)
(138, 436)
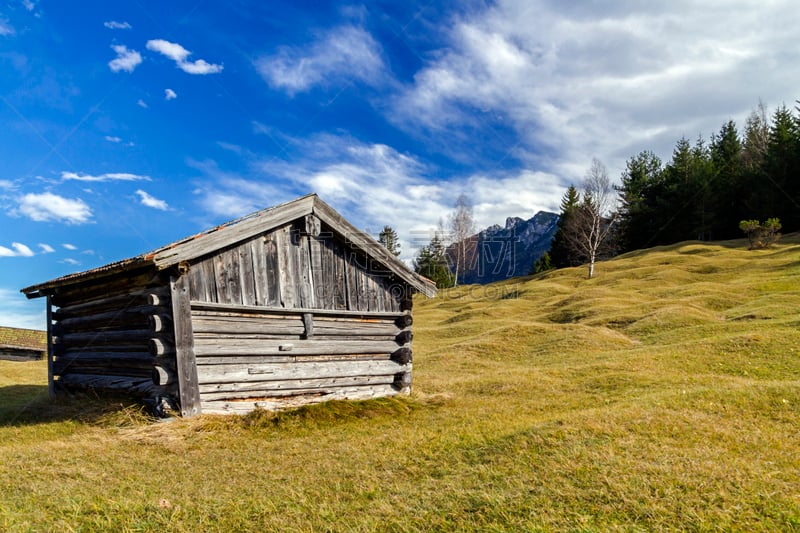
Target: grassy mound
(663, 394)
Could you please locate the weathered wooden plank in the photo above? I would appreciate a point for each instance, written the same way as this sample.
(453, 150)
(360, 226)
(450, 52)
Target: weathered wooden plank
(236, 373)
(205, 269)
(226, 270)
(260, 283)
(51, 391)
(222, 391)
(287, 267)
(297, 399)
(245, 346)
(272, 265)
(321, 288)
(305, 277)
(247, 281)
(234, 232)
(188, 392)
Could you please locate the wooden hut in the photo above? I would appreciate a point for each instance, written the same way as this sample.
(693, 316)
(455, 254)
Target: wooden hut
(17, 344)
(286, 306)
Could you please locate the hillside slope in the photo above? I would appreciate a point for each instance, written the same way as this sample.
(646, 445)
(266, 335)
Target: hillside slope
(664, 394)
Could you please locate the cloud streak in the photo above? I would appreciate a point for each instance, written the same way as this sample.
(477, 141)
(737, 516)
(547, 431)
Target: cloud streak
(111, 176)
(180, 55)
(342, 54)
(151, 201)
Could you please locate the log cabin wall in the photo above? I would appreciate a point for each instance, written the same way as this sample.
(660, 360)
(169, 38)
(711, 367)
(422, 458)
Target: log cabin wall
(113, 336)
(288, 318)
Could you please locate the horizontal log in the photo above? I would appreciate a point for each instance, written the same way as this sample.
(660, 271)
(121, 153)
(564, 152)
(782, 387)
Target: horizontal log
(103, 337)
(135, 386)
(402, 380)
(404, 321)
(137, 347)
(160, 323)
(404, 337)
(207, 374)
(288, 358)
(402, 355)
(248, 325)
(131, 282)
(160, 347)
(119, 359)
(133, 299)
(222, 391)
(245, 346)
(164, 376)
(277, 404)
(256, 310)
(136, 314)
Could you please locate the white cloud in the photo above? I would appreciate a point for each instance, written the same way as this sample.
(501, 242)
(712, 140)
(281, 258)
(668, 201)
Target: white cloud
(71, 261)
(345, 53)
(46, 248)
(577, 80)
(114, 25)
(49, 207)
(169, 94)
(5, 27)
(141, 103)
(17, 250)
(7, 184)
(179, 54)
(374, 185)
(112, 176)
(151, 201)
(126, 60)
(113, 139)
(71, 247)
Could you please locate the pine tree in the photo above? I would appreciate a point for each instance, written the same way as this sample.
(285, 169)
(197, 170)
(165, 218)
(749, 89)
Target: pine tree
(561, 255)
(431, 262)
(388, 238)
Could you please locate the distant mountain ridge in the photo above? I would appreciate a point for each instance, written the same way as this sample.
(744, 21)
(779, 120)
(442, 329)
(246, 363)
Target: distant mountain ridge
(502, 252)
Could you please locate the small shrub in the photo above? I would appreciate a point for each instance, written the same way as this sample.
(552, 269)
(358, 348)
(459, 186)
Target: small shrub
(761, 235)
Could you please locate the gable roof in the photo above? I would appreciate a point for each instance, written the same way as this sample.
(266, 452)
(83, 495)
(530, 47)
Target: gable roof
(23, 339)
(242, 229)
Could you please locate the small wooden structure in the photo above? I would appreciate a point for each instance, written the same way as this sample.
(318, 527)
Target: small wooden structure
(286, 306)
(18, 344)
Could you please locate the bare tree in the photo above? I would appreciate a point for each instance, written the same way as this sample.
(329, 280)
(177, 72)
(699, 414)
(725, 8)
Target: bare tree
(462, 224)
(588, 230)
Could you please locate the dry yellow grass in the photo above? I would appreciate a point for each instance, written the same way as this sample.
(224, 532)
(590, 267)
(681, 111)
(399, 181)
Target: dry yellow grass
(662, 395)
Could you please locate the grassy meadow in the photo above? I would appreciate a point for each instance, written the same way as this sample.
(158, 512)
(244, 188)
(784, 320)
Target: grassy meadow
(664, 394)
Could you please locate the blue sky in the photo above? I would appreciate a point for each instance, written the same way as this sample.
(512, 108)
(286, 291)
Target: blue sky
(128, 125)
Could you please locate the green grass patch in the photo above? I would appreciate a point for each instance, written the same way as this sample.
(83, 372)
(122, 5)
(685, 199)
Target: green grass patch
(662, 395)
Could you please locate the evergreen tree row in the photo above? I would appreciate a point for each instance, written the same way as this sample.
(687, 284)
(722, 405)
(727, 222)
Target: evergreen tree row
(708, 188)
